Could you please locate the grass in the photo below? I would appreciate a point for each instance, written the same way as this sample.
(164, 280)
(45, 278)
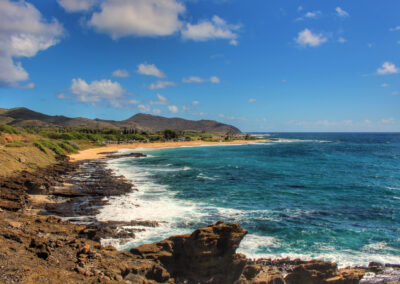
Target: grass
(16, 143)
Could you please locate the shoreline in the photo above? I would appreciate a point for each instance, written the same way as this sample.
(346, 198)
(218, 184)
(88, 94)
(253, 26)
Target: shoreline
(102, 152)
(87, 265)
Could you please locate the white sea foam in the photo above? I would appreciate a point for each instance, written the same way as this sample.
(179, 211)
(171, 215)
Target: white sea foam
(342, 257)
(157, 202)
(152, 202)
(287, 140)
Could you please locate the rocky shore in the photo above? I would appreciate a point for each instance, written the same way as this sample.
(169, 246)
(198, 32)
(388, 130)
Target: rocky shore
(36, 246)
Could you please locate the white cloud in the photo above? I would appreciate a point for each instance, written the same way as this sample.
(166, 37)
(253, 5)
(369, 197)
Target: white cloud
(98, 92)
(133, 102)
(173, 109)
(77, 5)
(122, 73)
(215, 80)
(341, 13)
(252, 100)
(387, 68)
(395, 93)
(388, 120)
(307, 38)
(193, 79)
(156, 111)
(23, 33)
(61, 96)
(144, 108)
(195, 103)
(199, 113)
(196, 79)
(384, 85)
(342, 40)
(150, 70)
(397, 28)
(185, 108)
(312, 15)
(205, 30)
(120, 18)
(161, 100)
(232, 117)
(300, 8)
(161, 85)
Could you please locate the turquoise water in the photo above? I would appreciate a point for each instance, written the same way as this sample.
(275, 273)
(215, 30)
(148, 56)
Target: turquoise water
(331, 196)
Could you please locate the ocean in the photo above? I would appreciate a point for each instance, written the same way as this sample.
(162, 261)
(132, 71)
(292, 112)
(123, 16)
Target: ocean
(332, 196)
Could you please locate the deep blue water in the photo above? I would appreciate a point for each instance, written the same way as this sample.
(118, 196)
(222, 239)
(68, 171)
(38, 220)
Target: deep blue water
(333, 196)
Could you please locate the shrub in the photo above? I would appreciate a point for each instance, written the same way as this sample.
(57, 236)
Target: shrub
(39, 146)
(67, 147)
(8, 129)
(52, 146)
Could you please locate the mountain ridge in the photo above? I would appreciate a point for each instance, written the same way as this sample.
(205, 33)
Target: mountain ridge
(24, 117)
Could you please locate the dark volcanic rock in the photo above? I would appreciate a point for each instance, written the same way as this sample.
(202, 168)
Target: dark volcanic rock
(206, 256)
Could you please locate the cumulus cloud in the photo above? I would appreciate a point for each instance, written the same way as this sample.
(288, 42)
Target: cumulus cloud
(307, 38)
(384, 85)
(77, 5)
(161, 100)
(395, 29)
(99, 92)
(122, 73)
(199, 113)
(195, 103)
(173, 109)
(120, 18)
(196, 79)
(206, 30)
(144, 108)
(342, 40)
(215, 80)
(232, 117)
(156, 111)
(387, 68)
(193, 79)
(150, 70)
(341, 13)
(23, 33)
(312, 15)
(388, 120)
(161, 85)
(252, 100)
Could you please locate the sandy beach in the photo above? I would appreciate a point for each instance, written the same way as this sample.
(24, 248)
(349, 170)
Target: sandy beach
(97, 153)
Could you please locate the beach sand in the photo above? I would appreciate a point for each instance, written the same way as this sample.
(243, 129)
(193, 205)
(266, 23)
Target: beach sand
(97, 153)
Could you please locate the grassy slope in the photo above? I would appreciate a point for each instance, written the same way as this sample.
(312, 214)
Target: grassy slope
(22, 154)
(24, 157)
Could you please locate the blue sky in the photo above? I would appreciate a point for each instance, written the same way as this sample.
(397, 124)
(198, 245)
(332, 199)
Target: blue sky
(259, 65)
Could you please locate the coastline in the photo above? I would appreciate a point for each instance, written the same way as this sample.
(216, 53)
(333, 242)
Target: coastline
(82, 241)
(102, 152)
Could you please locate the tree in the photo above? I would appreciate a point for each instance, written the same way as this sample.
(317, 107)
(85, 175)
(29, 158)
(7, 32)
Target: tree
(170, 134)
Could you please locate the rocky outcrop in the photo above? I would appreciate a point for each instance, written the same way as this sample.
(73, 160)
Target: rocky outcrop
(14, 190)
(206, 256)
(35, 249)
